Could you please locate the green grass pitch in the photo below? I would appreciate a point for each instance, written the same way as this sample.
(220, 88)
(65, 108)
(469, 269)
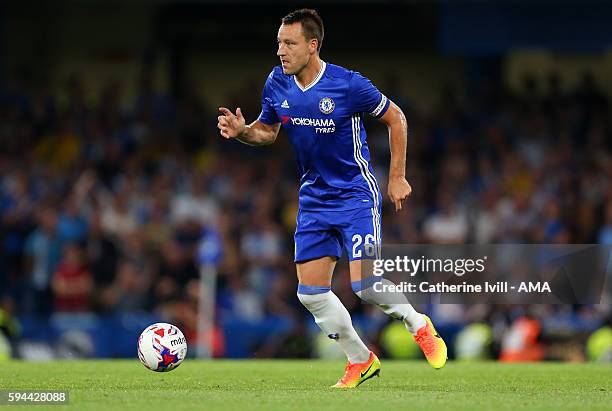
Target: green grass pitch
(304, 384)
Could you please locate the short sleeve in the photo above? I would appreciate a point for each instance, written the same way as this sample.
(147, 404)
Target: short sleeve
(268, 113)
(365, 97)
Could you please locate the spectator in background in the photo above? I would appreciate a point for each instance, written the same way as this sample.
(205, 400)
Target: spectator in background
(448, 225)
(72, 226)
(16, 208)
(129, 291)
(117, 217)
(193, 204)
(102, 252)
(43, 252)
(486, 218)
(72, 282)
(240, 301)
(176, 268)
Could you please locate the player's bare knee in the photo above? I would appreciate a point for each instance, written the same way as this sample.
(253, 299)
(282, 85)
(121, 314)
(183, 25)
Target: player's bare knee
(316, 272)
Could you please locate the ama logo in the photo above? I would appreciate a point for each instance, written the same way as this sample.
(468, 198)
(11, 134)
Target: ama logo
(285, 119)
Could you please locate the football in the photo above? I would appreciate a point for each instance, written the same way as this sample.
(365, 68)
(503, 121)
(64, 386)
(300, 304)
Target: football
(162, 347)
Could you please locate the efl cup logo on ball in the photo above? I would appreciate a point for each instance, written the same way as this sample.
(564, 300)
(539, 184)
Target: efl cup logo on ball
(162, 347)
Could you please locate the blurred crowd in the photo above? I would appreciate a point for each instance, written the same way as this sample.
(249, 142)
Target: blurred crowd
(103, 200)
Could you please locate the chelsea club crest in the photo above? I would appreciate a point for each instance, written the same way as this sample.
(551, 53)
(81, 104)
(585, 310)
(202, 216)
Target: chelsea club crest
(326, 105)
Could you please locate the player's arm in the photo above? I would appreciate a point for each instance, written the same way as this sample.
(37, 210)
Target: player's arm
(398, 189)
(365, 97)
(255, 134)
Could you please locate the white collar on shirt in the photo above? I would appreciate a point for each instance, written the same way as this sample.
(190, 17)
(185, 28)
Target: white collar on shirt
(316, 79)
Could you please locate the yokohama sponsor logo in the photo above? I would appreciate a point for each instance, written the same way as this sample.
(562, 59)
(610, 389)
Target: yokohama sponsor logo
(313, 122)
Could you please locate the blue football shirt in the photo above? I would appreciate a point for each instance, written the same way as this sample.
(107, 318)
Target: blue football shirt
(324, 121)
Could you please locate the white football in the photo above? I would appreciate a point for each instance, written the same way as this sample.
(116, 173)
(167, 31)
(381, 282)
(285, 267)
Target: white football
(162, 347)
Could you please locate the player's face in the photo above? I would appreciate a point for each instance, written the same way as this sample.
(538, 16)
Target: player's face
(293, 48)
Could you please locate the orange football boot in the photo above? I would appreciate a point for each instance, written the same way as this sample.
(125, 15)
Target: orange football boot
(432, 344)
(355, 374)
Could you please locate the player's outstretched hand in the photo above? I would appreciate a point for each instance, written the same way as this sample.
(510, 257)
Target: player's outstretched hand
(230, 125)
(399, 190)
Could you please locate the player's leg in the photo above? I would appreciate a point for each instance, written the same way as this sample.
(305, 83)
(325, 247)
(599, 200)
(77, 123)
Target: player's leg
(396, 305)
(314, 291)
(363, 230)
(317, 248)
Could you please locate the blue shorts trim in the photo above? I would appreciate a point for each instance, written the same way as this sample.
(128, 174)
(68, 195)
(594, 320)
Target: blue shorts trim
(327, 233)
